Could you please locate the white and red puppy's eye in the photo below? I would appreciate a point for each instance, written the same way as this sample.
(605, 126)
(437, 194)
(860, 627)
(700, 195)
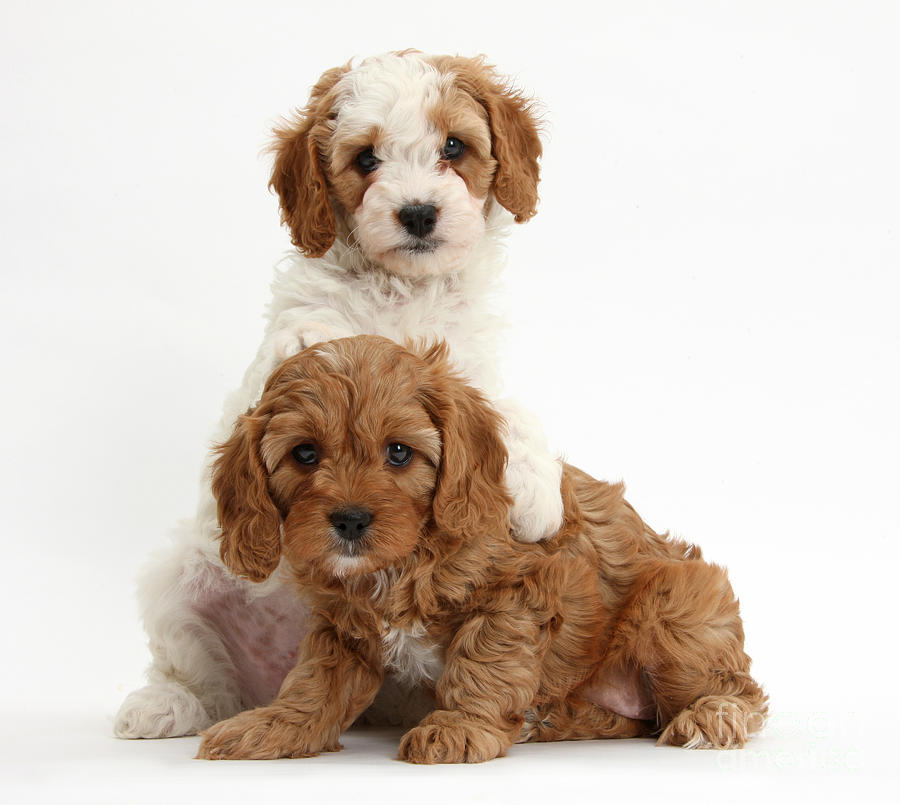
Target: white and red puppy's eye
(305, 453)
(399, 455)
(453, 148)
(366, 160)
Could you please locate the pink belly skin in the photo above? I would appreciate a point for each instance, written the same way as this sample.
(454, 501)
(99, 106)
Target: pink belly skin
(622, 692)
(261, 636)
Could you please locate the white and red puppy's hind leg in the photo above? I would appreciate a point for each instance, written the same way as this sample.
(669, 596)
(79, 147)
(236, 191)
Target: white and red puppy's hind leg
(219, 644)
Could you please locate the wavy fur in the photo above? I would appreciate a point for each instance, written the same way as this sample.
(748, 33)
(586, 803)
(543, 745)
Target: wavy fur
(606, 630)
(223, 642)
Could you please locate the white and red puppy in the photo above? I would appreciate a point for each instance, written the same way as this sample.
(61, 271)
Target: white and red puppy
(398, 182)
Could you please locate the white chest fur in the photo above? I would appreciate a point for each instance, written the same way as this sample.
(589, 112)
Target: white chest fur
(411, 655)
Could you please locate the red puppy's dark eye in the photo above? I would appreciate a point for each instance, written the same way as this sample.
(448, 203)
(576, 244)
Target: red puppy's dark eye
(305, 454)
(399, 455)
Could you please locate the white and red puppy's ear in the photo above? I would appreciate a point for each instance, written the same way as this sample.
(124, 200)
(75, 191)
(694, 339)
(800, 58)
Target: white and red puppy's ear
(516, 144)
(298, 175)
(470, 497)
(250, 522)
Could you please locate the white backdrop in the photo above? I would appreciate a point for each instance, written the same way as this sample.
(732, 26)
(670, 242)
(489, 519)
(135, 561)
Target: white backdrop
(705, 306)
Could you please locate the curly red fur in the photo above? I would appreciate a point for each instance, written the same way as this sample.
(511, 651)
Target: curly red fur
(531, 635)
(299, 174)
(249, 544)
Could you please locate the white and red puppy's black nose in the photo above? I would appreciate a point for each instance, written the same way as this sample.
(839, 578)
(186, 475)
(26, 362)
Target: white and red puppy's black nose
(418, 219)
(351, 522)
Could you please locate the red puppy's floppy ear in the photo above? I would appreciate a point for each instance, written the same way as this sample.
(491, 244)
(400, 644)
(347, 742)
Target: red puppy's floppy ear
(251, 526)
(516, 144)
(470, 497)
(298, 175)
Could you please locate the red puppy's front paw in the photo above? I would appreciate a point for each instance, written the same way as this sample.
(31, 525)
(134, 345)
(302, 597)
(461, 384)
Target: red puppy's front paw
(447, 737)
(262, 734)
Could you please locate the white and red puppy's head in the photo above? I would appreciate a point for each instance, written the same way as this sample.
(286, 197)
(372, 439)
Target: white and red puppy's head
(401, 156)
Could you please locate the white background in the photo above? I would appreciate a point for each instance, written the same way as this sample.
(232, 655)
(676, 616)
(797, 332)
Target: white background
(705, 306)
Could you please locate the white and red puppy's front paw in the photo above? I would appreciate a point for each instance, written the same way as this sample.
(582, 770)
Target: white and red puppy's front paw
(302, 334)
(533, 476)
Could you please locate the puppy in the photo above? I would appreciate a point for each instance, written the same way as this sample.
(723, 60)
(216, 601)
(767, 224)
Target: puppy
(378, 475)
(398, 182)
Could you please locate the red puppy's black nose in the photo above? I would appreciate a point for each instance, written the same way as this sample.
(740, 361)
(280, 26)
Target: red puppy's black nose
(350, 522)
